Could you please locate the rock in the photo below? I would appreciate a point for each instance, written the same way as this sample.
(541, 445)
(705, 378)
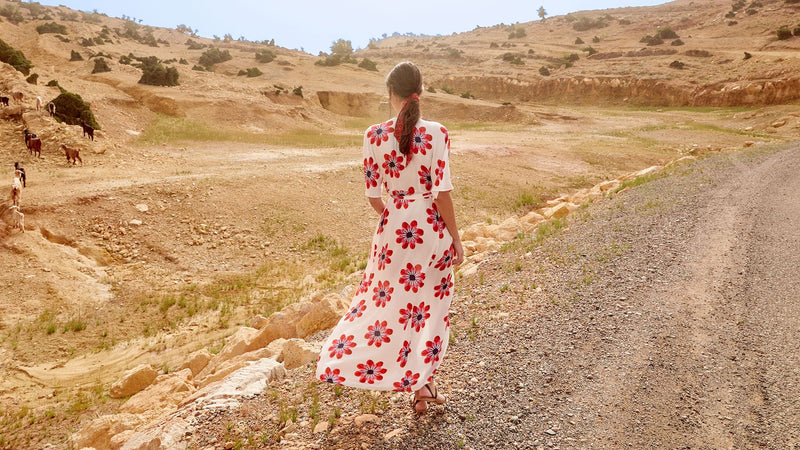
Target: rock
(778, 124)
(609, 185)
(532, 218)
(249, 380)
(258, 321)
(365, 418)
(142, 207)
(550, 432)
(276, 348)
(508, 230)
(474, 231)
(298, 352)
(323, 315)
(468, 269)
(197, 361)
(166, 392)
(98, 433)
(559, 211)
(321, 427)
(225, 368)
(133, 381)
(135, 222)
(119, 440)
(749, 143)
(237, 344)
(392, 434)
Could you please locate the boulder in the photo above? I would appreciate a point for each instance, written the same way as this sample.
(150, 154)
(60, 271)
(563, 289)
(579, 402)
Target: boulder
(165, 393)
(120, 439)
(258, 321)
(99, 432)
(558, 211)
(508, 230)
(237, 344)
(227, 367)
(197, 361)
(133, 381)
(474, 231)
(297, 353)
(324, 314)
(609, 185)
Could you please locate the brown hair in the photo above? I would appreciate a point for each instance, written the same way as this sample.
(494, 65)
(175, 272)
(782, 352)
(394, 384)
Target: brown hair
(404, 81)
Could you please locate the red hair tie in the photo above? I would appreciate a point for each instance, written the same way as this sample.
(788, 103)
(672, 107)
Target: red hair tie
(398, 127)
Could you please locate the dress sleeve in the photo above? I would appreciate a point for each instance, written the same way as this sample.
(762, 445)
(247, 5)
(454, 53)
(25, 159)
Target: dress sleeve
(372, 173)
(441, 163)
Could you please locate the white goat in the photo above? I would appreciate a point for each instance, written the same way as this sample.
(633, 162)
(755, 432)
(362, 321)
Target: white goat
(13, 218)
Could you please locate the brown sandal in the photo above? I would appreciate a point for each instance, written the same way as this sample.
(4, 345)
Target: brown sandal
(435, 397)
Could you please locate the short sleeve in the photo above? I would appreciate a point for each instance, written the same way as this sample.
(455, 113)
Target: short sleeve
(372, 173)
(441, 163)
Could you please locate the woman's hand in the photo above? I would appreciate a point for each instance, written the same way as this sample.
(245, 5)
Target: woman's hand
(458, 258)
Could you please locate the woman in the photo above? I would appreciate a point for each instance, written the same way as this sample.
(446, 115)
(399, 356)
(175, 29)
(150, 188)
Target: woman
(396, 331)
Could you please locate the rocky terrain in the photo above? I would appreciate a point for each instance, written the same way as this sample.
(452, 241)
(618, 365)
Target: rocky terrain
(216, 227)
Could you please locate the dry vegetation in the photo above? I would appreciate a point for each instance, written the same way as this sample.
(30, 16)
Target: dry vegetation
(252, 184)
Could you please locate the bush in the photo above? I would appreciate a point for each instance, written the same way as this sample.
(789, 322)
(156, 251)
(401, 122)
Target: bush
(75, 56)
(730, 15)
(329, 60)
(732, 23)
(448, 90)
(368, 64)
(183, 61)
(698, 53)
(676, 43)
(596, 40)
(100, 66)
(591, 50)
(751, 12)
(51, 27)
(70, 109)
(53, 83)
(265, 56)
(784, 33)
(572, 57)
(667, 33)
(199, 68)
(517, 32)
(251, 72)
(747, 56)
(298, 91)
(155, 74)
(586, 23)
(431, 89)
(33, 79)
(544, 71)
(676, 65)
(15, 58)
(738, 5)
(213, 56)
(579, 41)
(13, 14)
(467, 95)
(655, 40)
(796, 30)
(194, 45)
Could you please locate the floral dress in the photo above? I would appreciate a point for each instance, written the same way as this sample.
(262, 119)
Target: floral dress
(395, 333)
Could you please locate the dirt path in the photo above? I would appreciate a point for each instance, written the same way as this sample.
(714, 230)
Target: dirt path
(666, 317)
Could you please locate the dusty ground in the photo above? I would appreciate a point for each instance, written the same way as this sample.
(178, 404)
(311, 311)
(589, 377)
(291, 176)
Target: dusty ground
(664, 317)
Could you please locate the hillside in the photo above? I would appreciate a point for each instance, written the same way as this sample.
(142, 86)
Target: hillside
(203, 206)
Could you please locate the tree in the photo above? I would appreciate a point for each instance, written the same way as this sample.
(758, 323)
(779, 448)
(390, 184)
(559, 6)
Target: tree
(342, 48)
(542, 12)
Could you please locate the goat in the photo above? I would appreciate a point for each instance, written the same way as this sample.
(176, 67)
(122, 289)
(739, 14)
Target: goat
(87, 130)
(39, 103)
(4, 101)
(16, 189)
(52, 108)
(18, 168)
(35, 147)
(17, 96)
(13, 217)
(73, 154)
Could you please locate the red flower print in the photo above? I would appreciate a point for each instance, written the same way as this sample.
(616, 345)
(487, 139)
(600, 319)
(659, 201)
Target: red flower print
(425, 177)
(371, 173)
(384, 257)
(420, 140)
(439, 171)
(382, 222)
(365, 283)
(419, 315)
(405, 383)
(380, 133)
(370, 371)
(400, 200)
(446, 260)
(378, 333)
(446, 137)
(409, 236)
(356, 311)
(442, 290)
(447, 321)
(342, 346)
(331, 376)
(412, 277)
(402, 357)
(383, 294)
(435, 219)
(393, 164)
(405, 315)
(432, 349)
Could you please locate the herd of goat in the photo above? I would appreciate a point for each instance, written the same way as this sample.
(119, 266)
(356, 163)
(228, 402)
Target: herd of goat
(11, 214)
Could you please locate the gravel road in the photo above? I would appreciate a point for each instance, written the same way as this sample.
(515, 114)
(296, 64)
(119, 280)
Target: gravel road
(665, 317)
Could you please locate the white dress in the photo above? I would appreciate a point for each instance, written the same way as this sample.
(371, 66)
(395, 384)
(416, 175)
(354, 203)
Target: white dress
(396, 331)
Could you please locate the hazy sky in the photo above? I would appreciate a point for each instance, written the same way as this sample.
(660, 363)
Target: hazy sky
(314, 25)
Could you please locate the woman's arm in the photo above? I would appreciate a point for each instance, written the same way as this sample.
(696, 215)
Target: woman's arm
(445, 204)
(377, 204)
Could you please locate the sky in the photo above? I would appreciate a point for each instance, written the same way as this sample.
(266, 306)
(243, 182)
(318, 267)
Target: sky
(313, 25)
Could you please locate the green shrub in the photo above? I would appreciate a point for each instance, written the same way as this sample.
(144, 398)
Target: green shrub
(251, 73)
(265, 56)
(51, 27)
(15, 58)
(596, 40)
(199, 68)
(467, 95)
(33, 79)
(183, 61)
(12, 13)
(586, 23)
(194, 45)
(213, 56)
(667, 33)
(298, 91)
(751, 11)
(368, 64)
(738, 5)
(100, 66)
(53, 83)
(676, 43)
(784, 33)
(747, 56)
(126, 59)
(579, 41)
(517, 32)
(591, 50)
(431, 89)
(730, 15)
(448, 90)
(732, 23)
(75, 56)
(155, 74)
(676, 65)
(651, 40)
(70, 109)
(572, 57)
(544, 71)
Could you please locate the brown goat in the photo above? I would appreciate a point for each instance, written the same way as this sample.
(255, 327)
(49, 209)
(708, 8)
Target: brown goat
(73, 154)
(35, 146)
(18, 96)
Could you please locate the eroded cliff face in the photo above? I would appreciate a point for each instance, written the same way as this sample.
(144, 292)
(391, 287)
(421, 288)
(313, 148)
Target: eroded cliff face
(614, 90)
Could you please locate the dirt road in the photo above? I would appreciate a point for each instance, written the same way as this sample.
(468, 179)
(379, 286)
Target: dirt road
(665, 317)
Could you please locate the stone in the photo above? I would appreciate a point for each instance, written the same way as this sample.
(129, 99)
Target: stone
(468, 269)
(321, 427)
(237, 344)
(532, 218)
(749, 143)
(324, 314)
(142, 207)
(778, 123)
(135, 222)
(197, 361)
(276, 348)
(392, 434)
(119, 440)
(550, 432)
(297, 353)
(249, 380)
(558, 211)
(365, 418)
(508, 229)
(609, 185)
(133, 381)
(166, 392)
(99, 432)
(225, 368)
(258, 321)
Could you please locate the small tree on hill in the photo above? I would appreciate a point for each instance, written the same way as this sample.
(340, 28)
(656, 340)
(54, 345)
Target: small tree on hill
(15, 58)
(342, 48)
(542, 13)
(71, 109)
(213, 56)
